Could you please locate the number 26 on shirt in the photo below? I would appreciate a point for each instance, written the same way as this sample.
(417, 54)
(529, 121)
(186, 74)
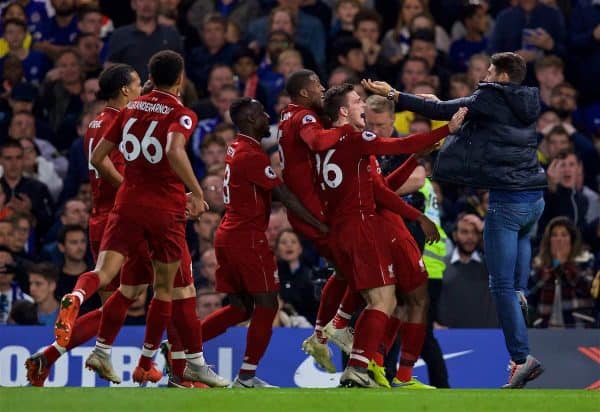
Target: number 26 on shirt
(332, 173)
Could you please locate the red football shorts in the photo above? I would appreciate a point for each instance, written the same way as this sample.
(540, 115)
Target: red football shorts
(362, 253)
(321, 241)
(96, 227)
(128, 226)
(407, 258)
(251, 269)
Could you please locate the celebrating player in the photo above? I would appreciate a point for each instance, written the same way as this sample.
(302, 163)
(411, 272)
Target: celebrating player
(119, 84)
(247, 269)
(360, 247)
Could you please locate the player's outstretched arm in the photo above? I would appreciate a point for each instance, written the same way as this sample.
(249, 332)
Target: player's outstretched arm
(290, 201)
(180, 163)
(318, 139)
(433, 109)
(101, 161)
(399, 176)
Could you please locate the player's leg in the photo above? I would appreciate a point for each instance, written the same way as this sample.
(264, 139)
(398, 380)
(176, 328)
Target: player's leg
(108, 266)
(369, 332)
(337, 330)
(331, 296)
(157, 319)
(189, 331)
(259, 334)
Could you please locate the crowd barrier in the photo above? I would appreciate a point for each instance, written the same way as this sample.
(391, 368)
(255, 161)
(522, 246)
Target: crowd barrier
(475, 358)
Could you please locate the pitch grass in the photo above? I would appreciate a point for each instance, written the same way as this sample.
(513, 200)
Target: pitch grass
(283, 400)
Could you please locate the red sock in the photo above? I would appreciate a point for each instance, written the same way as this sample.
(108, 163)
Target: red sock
(331, 296)
(219, 321)
(177, 354)
(114, 312)
(413, 336)
(159, 315)
(350, 304)
(52, 354)
(189, 327)
(87, 284)
(258, 338)
(391, 332)
(370, 329)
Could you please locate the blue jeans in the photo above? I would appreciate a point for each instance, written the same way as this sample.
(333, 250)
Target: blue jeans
(508, 259)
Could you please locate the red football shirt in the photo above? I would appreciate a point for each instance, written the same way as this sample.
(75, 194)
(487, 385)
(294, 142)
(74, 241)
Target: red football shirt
(301, 133)
(344, 170)
(249, 180)
(103, 193)
(141, 133)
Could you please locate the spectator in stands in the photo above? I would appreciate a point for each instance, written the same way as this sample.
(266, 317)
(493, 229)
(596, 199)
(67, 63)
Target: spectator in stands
(278, 221)
(215, 49)
(563, 197)
(277, 42)
(42, 285)
(219, 76)
(89, 46)
(295, 276)
(404, 118)
(90, 21)
(61, 30)
(20, 246)
(320, 10)
(308, 29)
(424, 21)
(22, 193)
(465, 300)
(135, 43)
(59, 102)
(460, 86)
(207, 268)
(288, 317)
(37, 167)
(88, 93)
(212, 151)
(207, 302)
(562, 278)
(72, 243)
(245, 66)
(136, 314)
(345, 11)
(73, 213)
(396, 42)
(422, 44)
(10, 291)
(367, 29)
(23, 126)
(549, 72)
(349, 54)
(542, 30)
(477, 68)
(226, 131)
(212, 185)
(556, 141)
(414, 70)
(204, 228)
(584, 46)
(23, 313)
(14, 10)
(35, 64)
(476, 21)
(238, 12)
(6, 233)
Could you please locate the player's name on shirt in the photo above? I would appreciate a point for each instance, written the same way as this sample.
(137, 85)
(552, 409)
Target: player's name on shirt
(149, 107)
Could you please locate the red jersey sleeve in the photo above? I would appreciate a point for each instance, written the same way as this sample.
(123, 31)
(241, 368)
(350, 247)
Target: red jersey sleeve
(113, 133)
(259, 171)
(397, 178)
(316, 137)
(371, 144)
(387, 199)
(183, 121)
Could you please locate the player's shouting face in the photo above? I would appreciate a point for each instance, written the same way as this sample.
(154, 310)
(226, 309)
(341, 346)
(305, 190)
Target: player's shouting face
(355, 106)
(315, 90)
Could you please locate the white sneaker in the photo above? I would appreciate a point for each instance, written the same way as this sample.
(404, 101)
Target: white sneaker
(251, 383)
(341, 337)
(205, 375)
(320, 352)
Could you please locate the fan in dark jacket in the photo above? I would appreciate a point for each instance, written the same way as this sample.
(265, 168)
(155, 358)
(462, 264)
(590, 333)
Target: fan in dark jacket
(495, 149)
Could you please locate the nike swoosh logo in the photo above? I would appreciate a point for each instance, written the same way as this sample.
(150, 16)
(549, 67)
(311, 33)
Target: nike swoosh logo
(244, 385)
(363, 380)
(447, 356)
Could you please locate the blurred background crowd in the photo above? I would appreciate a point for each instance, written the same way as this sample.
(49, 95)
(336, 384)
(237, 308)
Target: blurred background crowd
(52, 51)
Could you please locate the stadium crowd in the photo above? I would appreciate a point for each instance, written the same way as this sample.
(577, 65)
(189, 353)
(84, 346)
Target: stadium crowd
(51, 53)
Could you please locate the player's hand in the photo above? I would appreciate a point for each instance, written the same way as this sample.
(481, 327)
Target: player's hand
(457, 120)
(475, 221)
(541, 39)
(376, 87)
(195, 206)
(431, 97)
(432, 235)
(554, 173)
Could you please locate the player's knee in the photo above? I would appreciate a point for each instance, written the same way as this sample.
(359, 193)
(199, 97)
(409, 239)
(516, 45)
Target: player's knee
(132, 291)
(244, 303)
(185, 292)
(266, 300)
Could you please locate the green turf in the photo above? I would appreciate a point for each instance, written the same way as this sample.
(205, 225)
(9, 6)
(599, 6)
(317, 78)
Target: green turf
(266, 400)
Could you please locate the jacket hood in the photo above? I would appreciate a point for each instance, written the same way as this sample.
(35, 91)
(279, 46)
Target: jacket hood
(523, 101)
